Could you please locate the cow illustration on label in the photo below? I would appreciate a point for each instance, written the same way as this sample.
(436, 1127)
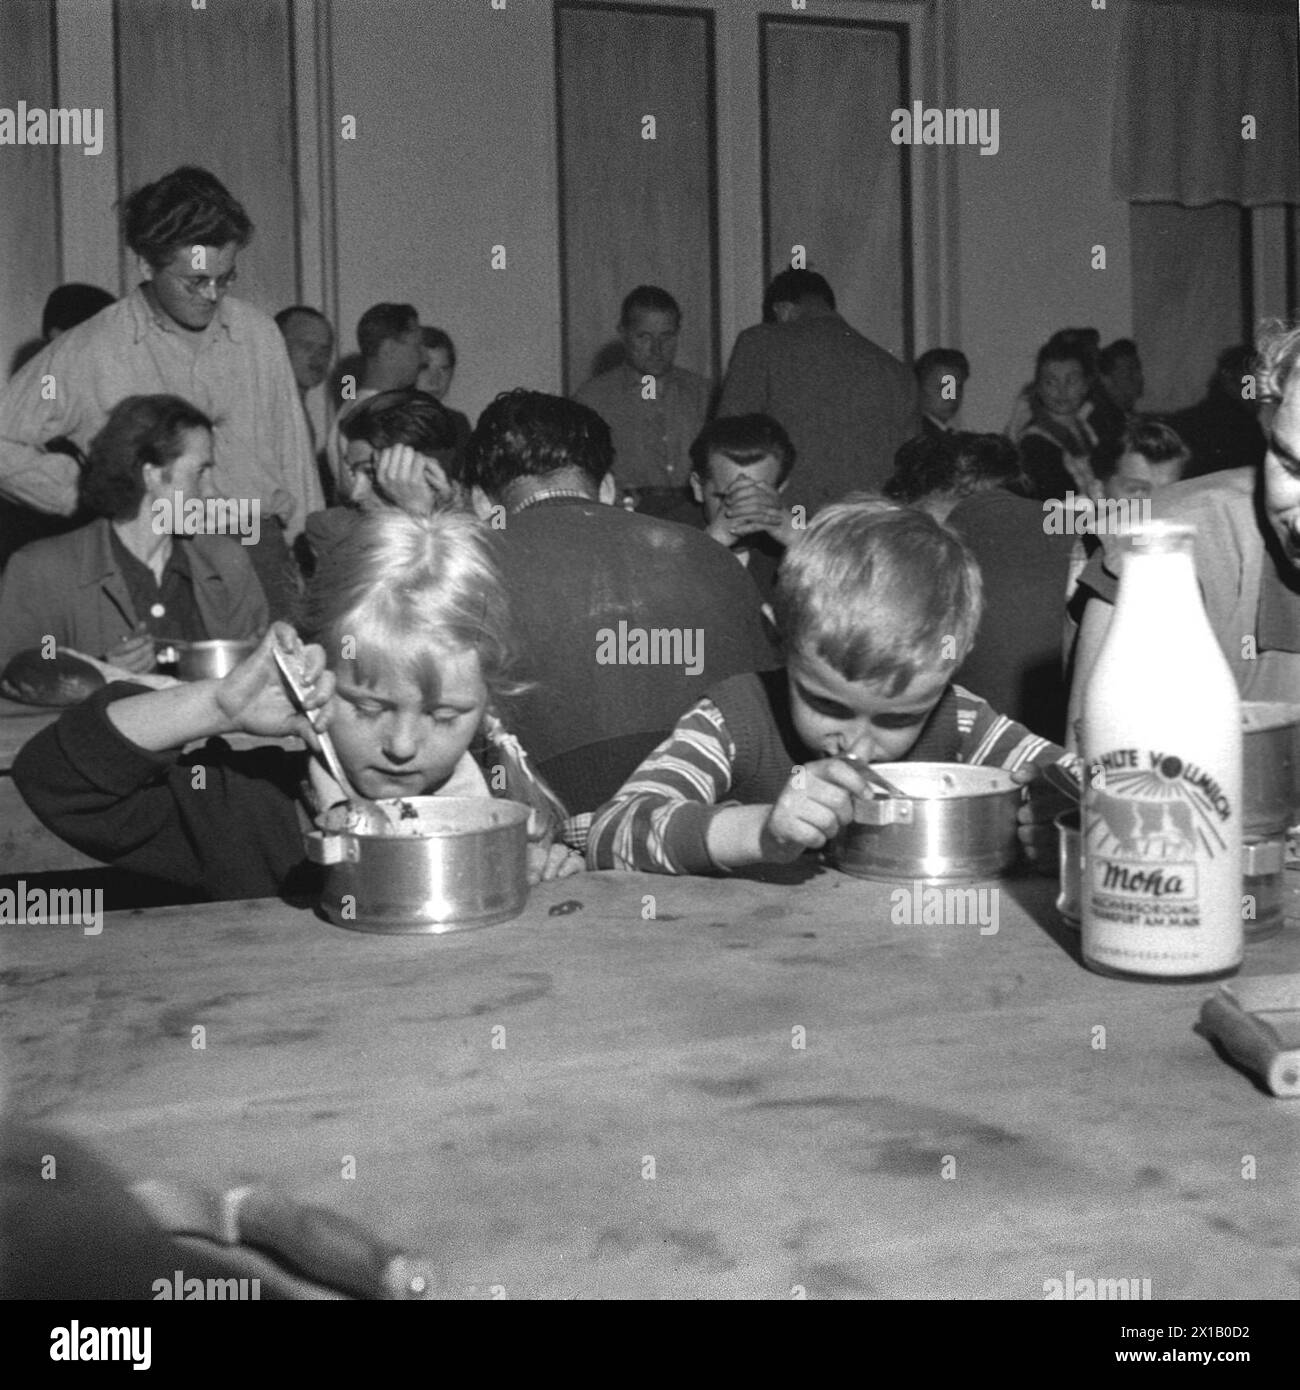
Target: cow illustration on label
(1145, 831)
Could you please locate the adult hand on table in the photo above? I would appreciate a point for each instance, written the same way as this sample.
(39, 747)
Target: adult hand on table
(134, 652)
(816, 804)
(253, 696)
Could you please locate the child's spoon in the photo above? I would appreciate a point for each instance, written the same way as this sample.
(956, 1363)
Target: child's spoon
(362, 815)
(873, 778)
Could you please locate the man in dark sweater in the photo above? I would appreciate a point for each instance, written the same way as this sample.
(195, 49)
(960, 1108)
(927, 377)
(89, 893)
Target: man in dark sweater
(845, 402)
(1222, 429)
(625, 619)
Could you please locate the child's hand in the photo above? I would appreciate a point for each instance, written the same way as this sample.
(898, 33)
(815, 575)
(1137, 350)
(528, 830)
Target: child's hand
(254, 699)
(553, 861)
(815, 805)
(1043, 804)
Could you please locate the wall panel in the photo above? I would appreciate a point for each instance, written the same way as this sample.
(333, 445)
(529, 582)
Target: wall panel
(29, 227)
(214, 87)
(454, 154)
(1187, 296)
(833, 180)
(636, 210)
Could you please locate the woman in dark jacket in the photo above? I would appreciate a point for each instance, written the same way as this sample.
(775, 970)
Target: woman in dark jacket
(148, 569)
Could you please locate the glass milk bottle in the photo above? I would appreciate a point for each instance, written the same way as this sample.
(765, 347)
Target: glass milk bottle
(1162, 743)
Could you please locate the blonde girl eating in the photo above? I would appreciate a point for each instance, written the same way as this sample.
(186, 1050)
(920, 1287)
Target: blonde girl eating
(407, 651)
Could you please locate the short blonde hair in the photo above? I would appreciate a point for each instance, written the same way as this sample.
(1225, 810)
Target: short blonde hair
(879, 592)
(1278, 346)
(406, 591)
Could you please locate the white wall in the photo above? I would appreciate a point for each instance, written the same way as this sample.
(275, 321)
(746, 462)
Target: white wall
(1030, 215)
(455, 152)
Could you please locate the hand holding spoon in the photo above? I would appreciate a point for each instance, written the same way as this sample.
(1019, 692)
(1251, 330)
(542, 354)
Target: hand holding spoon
(356, 815)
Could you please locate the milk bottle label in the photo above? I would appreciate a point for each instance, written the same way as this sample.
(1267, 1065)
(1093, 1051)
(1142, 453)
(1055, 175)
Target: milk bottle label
(1151, 826)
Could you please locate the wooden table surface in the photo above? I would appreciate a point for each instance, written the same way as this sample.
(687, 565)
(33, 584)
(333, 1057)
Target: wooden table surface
(25, 844)
(17, 724)
(644, 1125)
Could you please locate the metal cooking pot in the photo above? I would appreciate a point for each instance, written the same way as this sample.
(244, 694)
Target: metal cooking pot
(955, 822)
(212, 659)
(454, 862)
(1270, 732)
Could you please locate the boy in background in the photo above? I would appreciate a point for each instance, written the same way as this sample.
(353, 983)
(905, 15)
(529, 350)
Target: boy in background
(941, 376)
(739, 467)
(877, 606)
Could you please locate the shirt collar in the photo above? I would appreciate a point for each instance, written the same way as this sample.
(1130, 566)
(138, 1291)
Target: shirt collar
(558, 494)
(145, 319)
(177, 560)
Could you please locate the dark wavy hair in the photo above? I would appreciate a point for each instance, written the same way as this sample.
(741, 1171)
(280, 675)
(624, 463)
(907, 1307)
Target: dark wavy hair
(405, 416)
(528, 434)
(793, 287)
(1081, 345)
(188, 207)
(959, 464)
(71, 304)
(383, 322)
(744, 439)
(140, 430)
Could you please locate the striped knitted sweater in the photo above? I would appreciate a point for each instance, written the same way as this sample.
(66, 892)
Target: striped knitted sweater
(739, 746)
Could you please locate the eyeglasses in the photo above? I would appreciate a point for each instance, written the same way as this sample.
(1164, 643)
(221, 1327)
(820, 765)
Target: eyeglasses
(199, 284)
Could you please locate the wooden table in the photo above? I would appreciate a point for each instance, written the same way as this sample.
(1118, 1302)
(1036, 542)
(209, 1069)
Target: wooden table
(601, 1105)
(25, 844)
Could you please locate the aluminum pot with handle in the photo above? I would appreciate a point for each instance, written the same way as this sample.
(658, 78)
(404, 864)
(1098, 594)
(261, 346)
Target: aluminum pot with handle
(451, 863)
(952, 823)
